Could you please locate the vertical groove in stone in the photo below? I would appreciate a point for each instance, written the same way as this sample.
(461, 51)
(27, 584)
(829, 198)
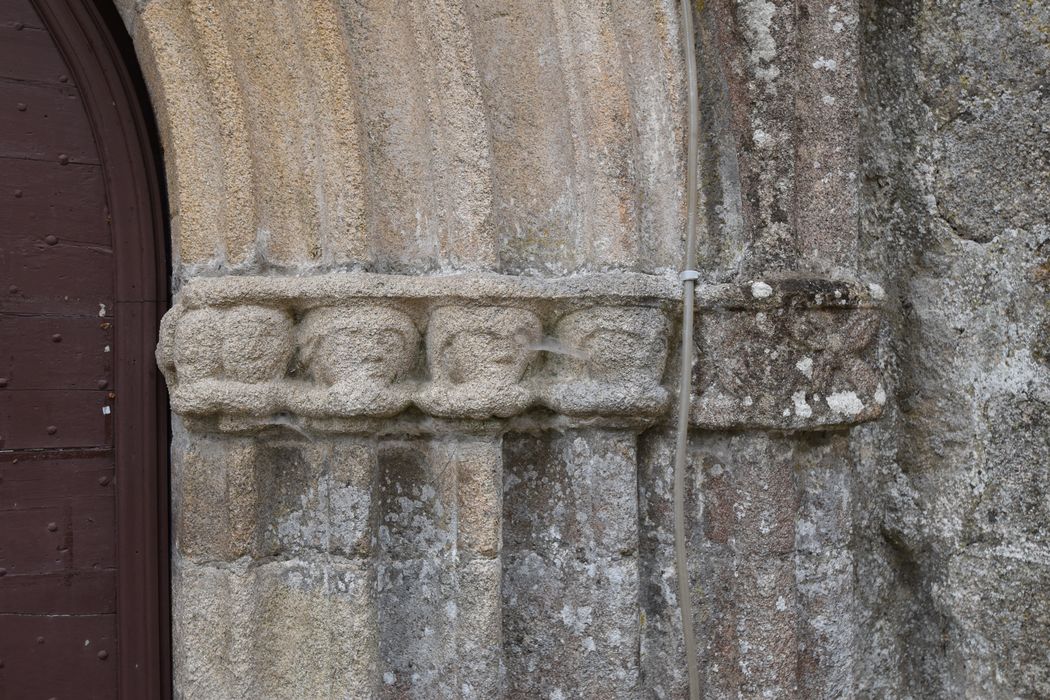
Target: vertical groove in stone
(281, 130)
(662, 650)
(570, 556)
(758, 45)
(215, 500)
(214, 511)
(525, 99)
(236, 185)
(205, 619)
(396, 121)
(339, 149)
(745, 565)
(582, 213)
(440, 569)
(435, 134)
(353, 514)
(651, 55)
(722, 240)
(599, 108)
(274, 573)
(174, 66)
(311, 583)
(461, 157)
(478, 464)
(827, 158)
(825, 568)
(791, 75)
(416, 571)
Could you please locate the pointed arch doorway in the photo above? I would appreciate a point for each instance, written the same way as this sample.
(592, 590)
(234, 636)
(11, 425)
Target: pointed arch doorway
(83, 422)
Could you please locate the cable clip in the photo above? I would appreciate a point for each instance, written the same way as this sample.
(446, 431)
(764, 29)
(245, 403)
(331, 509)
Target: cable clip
(688, 275)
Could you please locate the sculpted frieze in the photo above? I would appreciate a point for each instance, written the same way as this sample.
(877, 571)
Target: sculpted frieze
(324, 354)
(336, 353)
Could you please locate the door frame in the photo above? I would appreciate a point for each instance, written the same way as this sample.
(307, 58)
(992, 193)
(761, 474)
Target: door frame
(98, 52)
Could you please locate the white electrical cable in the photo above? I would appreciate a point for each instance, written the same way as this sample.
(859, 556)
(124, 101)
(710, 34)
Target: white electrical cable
(689, 276)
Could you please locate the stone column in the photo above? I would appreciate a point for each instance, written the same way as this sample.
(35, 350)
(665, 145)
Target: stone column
(274, 577)
(374, 482)
(785, 361)
(313, 581)
(439, 567)
(571, 582)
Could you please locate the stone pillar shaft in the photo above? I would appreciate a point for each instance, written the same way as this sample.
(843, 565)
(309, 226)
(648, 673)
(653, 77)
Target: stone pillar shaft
(274, 576)
(371, 497)
(788, 349)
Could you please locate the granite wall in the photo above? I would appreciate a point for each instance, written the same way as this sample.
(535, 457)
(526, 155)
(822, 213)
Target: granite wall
(953, 537)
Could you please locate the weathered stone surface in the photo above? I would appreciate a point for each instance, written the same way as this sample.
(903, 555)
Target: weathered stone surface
(272, 546)
(280, 629)
(803, 346)
(953, 539)
(804, 361)
(418, 136)
(748, 541)
(591, 371)
(214, 499)
(477, 358)
(417, 545)
(439, 568)
(457, 483)
(571, 577)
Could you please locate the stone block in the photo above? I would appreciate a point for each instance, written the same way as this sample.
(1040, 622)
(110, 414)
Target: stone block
(570, 565)
(212, 612)
(791, 354)
(314, 629)
(216, 499)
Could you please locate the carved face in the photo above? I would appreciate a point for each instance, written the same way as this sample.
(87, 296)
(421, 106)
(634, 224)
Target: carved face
(247, 344)
(372, 344)
(486, 344)
(611, 344)
(257, 343)
(197, 347)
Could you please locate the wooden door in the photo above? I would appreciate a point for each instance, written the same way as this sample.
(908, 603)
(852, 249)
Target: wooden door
(83, 505)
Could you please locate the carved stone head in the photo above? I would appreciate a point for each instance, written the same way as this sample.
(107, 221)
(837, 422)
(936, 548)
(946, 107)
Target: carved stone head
(612, 345)
(481, 345)
(250, 344)
(371, 344)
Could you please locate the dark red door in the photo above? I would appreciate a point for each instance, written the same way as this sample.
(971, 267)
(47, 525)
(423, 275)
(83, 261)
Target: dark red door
(83, 507)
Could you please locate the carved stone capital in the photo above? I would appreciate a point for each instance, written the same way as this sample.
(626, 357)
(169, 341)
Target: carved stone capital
(587, 348)
(477, 358)
(788, 354)
(609, 360)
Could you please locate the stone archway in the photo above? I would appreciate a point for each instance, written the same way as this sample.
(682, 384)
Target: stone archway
(469, 495)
